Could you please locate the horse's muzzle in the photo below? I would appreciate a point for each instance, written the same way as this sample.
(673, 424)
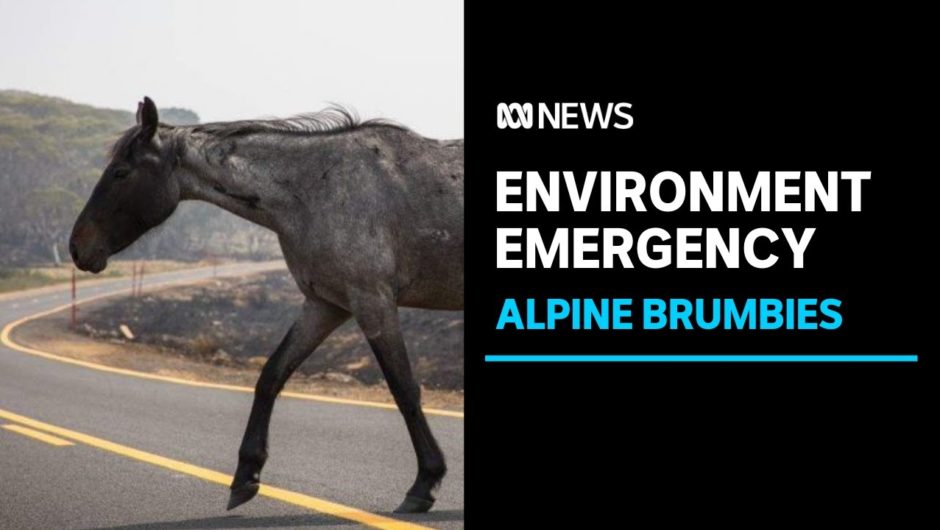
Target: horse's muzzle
(87, 257)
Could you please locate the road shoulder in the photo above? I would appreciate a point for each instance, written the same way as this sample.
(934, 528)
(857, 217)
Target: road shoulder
(49, 334)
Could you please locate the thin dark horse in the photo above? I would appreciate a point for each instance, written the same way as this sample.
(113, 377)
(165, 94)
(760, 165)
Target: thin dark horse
(369, 217)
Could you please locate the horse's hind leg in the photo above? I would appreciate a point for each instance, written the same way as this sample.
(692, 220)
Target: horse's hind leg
(377, 315)
(316, 322)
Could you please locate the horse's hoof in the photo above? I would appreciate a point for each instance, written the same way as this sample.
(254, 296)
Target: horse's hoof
(242, 494)
(414, 505)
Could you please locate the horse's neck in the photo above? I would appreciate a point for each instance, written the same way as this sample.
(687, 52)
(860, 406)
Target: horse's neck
(213, 171)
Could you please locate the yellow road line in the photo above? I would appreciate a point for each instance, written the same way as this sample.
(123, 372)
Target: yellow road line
(8, 342)
(297, 499)
(41, 436)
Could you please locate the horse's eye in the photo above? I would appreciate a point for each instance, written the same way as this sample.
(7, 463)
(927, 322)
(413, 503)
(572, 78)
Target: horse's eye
(121, 173)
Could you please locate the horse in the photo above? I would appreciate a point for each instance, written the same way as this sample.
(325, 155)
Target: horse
(368, 214)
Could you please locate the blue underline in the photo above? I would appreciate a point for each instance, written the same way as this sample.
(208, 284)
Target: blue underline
(748, 358)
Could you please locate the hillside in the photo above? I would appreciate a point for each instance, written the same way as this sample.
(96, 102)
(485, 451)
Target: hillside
(52, 152)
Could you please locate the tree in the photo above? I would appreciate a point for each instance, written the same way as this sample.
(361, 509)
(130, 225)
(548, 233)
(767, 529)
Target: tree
(50, 214)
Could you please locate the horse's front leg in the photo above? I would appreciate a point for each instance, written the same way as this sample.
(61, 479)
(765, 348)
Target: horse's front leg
(377, 315)
(318, 319)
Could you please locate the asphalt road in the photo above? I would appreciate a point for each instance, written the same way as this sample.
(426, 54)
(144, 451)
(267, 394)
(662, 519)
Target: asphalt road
(121, 430)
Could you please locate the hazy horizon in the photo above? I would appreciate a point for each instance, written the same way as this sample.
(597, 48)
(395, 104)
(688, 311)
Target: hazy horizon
(237, 59)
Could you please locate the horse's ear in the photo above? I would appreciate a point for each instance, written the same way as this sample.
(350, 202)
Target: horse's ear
(148, 119)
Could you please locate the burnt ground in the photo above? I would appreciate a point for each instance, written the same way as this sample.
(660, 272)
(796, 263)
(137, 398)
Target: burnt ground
(222, 330)
(236, 320)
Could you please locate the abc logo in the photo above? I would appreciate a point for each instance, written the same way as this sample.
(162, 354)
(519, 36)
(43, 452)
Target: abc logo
(564, 115)
(514, 115)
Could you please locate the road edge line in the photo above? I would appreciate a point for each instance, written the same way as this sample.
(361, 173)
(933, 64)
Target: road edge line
(6, 340)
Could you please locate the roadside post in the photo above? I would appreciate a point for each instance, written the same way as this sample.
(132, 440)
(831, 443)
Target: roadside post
(74, 319)
(134, 279)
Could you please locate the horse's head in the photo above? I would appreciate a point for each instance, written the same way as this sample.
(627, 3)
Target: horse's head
(136, 192)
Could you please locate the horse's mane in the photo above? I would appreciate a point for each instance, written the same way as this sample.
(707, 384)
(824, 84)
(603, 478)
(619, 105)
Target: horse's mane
(331, 120)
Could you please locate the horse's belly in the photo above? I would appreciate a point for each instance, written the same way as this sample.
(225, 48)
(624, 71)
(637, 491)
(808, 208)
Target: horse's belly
(435, 280)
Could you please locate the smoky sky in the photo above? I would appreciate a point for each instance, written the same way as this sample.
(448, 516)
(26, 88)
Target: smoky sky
(236, 59)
